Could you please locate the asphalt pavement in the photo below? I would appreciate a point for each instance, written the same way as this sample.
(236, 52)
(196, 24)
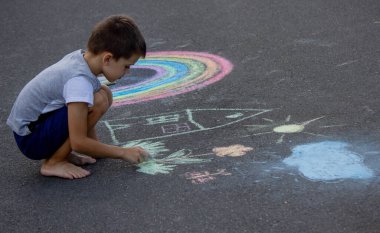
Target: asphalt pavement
(261, 116)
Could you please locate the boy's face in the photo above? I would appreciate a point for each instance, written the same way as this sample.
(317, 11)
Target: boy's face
(114, 70)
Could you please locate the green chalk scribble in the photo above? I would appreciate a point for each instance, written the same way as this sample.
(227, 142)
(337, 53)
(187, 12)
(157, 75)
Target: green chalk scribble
(167, 164)
(152, 168)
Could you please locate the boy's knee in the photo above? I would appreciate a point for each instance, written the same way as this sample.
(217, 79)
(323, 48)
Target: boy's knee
(101, 102)
(109, 94)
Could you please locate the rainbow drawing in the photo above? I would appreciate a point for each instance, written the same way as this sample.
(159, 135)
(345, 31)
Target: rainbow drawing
(175, 72)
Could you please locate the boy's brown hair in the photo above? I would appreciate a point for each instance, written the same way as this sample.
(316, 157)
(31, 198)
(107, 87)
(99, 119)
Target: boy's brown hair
(118, 35)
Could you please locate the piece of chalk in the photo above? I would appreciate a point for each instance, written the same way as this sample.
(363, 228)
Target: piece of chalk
(110, 83)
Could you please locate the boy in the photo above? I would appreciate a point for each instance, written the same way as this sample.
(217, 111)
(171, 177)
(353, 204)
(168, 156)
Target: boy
(56, 112)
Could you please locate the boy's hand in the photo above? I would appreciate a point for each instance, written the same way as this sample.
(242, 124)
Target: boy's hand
(135, 155)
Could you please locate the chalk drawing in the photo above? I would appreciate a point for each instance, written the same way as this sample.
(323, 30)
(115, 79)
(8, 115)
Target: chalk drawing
(158, 163)
(266, 119)
(185, 44)
(175, 128)
(156, 42)
(328, 161)
(176, 72)
(331, 126)
(162, 119)
(231, 151)
(236, 115)
(314, 42)
(346, 63)
(153, 168)
(189, 121)
(285, 128)
(167, 164)
(205, 176)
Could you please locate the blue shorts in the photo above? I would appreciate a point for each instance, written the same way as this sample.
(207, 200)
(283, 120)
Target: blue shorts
(47, 135)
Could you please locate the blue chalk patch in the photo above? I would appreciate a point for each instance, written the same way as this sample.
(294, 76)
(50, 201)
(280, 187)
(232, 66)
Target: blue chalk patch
(327, 161)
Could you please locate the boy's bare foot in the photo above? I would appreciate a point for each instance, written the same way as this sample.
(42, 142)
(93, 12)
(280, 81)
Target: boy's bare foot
(63, 169)
(79, 159)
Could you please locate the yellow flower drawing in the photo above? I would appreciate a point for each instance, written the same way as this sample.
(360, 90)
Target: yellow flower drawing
(232, 151)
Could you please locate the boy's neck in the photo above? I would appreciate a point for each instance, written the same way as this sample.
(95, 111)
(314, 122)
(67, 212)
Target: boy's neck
(94, 62)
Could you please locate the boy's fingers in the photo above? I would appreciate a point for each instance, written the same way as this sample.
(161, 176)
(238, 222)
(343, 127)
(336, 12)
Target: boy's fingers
(145, 154)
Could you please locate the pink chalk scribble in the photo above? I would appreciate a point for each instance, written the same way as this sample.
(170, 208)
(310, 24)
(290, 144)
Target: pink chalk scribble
(205, 176)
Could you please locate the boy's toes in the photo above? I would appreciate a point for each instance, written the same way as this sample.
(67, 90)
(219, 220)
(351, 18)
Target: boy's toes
(74, 175)
(80, 173)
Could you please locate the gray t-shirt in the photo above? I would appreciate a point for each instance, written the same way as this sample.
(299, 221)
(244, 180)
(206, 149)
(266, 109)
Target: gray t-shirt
(69, 80)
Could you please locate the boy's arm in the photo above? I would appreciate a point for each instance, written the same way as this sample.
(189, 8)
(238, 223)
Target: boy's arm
(80, 142)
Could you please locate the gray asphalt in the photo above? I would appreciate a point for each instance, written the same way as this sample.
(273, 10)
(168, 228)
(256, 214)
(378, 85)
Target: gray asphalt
(303, 59)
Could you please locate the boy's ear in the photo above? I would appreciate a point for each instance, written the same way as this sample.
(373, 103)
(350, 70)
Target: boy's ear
(107, 56)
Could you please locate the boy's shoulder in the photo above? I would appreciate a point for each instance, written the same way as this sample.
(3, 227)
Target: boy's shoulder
(54, 78)
(70, 66)
(72, 62)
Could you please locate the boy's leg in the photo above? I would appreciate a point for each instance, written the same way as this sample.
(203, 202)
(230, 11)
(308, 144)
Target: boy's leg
(58, 164)
(106, 92)
(93, 117)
